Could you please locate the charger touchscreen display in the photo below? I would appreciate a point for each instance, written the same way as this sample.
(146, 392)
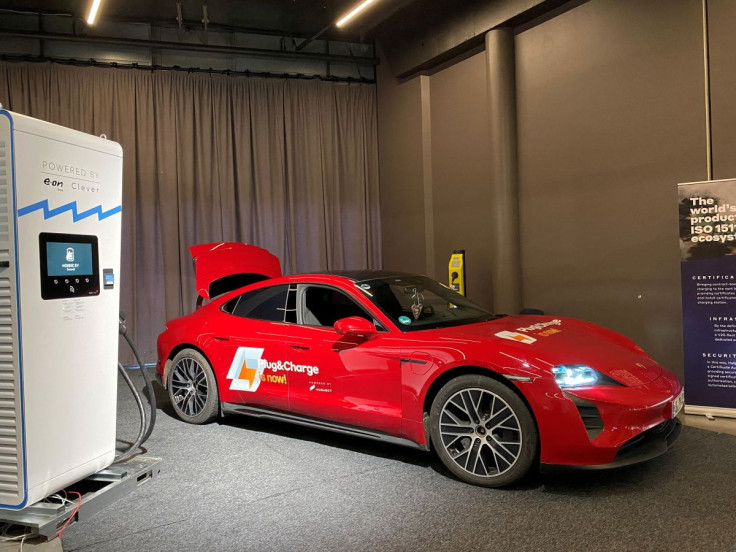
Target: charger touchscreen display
(68, 259)
(69, 265)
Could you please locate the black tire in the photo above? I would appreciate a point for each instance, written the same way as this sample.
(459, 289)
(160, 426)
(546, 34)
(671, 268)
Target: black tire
(491, 442)
(192, 387)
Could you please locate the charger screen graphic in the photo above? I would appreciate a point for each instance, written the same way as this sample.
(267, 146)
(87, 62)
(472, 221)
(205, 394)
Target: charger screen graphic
(69, 265)
(67, 258)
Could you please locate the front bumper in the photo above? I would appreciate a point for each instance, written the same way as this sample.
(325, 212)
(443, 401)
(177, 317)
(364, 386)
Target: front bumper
(604, 426)
(645, 446)
(158, 373)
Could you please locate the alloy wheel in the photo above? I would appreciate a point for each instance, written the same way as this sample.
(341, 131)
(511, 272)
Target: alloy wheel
(480, 432)
(189, 386)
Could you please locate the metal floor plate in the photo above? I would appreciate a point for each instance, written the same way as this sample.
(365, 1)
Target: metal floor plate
(99, 490)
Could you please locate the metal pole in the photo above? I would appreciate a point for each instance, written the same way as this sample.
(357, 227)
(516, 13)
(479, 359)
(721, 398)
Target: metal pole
(504, 212)
(424, 90)
(313, 38)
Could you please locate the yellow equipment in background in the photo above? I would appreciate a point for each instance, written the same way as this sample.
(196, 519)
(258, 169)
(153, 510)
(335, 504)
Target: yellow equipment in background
(457, 271)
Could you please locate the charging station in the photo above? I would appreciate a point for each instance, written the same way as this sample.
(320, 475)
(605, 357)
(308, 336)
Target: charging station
(60, 231)
(456, 269)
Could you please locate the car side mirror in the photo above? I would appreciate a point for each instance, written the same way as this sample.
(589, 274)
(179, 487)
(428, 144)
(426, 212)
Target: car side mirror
(355, 325)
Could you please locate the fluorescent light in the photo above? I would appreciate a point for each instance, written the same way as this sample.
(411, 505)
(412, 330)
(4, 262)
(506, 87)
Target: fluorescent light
(355, 11)
(93, 12)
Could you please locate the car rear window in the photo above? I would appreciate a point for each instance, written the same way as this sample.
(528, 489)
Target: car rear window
(273, 303)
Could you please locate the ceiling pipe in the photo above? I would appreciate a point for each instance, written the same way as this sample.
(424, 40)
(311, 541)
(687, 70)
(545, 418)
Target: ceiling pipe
(205, 20)
(313, 38)
(180, 22)
(234, 50)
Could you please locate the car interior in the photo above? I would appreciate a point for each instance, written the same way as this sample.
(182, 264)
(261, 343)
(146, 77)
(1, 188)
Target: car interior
(324, 307)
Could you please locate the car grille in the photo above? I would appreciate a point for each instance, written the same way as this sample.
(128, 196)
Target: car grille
(666, 429)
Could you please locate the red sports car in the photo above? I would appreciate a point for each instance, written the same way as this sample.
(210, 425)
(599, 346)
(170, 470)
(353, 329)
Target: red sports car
(401, 358)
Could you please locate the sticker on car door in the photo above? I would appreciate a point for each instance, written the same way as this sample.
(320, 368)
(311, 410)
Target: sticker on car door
(246, 369)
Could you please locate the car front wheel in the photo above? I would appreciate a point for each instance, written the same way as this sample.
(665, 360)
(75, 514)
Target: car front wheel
(192, 387)
(483, 432)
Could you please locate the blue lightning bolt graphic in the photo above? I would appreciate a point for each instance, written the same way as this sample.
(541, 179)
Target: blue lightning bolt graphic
(76, 215)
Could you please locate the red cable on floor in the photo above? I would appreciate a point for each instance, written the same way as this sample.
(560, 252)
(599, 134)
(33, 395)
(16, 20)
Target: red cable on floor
(71, 517)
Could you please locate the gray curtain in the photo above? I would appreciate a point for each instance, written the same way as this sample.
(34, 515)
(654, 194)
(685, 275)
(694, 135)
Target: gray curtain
(288, 165)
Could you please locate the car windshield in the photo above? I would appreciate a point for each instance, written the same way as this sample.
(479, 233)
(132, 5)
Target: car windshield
(420, 303)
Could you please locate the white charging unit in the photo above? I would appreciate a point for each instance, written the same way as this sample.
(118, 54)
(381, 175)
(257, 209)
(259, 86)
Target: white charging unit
(60, 223)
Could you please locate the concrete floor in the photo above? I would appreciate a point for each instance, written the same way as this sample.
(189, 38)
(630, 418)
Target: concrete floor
(34, 545)
(248, 484)
(719, 425)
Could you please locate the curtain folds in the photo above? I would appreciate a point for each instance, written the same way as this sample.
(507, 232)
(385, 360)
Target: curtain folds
(288, 165)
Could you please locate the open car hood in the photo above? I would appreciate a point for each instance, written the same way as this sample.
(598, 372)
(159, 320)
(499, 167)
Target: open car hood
(225, 266)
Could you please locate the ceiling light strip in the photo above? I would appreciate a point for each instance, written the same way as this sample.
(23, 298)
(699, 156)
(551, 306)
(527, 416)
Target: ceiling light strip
(355, 11)
(93, 12)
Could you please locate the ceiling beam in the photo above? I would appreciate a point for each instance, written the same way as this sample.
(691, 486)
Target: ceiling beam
(185, 23)
(232, 50)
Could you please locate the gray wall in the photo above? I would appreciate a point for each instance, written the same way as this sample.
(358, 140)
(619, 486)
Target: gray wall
(460, 169)
(611, 116)
(722, 24)
(444, 147)
(400, 172)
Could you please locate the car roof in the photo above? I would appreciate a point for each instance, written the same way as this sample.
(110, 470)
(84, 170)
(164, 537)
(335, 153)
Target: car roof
(359, 275)
(333, 277)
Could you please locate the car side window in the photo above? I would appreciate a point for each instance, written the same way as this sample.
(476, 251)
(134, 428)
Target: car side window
(323, 306)
(273, 303)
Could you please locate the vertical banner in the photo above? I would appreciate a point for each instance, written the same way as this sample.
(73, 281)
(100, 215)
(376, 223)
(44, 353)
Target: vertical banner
(708, 269)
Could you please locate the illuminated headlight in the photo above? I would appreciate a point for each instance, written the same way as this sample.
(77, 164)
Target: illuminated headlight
(574, 375)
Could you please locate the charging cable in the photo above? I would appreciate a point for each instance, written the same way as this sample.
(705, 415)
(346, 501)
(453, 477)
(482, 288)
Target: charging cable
(146, 428)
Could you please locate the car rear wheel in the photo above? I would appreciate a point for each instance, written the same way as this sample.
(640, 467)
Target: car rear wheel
(483, 432)
(192, 387)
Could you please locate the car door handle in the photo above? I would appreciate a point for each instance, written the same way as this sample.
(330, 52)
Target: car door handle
(299, 347)
(218, 338)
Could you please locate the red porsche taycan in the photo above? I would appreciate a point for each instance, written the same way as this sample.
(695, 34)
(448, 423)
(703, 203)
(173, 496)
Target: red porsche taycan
(401, 358)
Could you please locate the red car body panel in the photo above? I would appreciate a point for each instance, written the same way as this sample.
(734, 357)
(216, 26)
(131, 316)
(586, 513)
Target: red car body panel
(382, 382)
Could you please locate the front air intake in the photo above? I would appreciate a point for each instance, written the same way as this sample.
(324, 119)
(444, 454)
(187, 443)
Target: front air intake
(590, 415)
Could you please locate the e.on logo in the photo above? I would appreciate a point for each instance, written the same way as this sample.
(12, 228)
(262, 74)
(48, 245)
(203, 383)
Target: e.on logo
(246, 369)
